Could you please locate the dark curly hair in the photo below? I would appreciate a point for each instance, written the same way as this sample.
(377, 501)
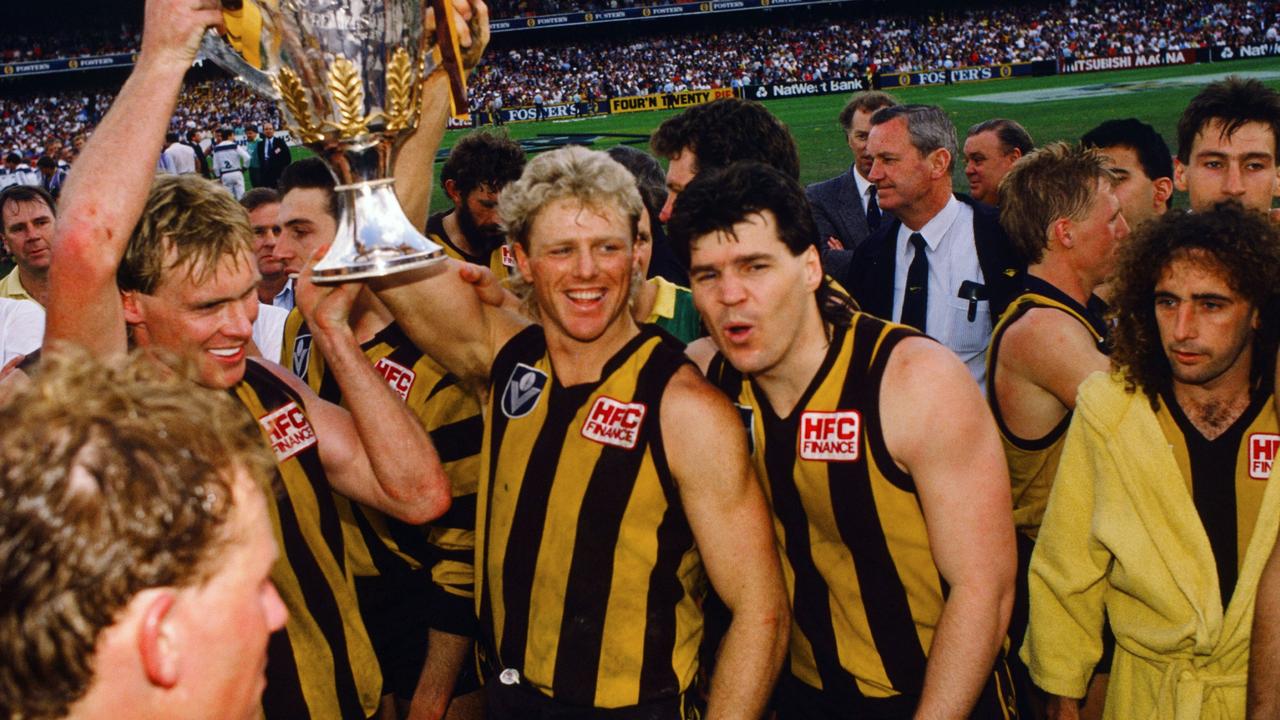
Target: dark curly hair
(483, 158)
(727, 131)
(715, 201)
(1241, 244)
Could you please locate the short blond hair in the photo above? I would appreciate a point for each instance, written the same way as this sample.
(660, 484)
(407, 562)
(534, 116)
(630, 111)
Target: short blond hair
(1059, 180)
(590, 176)
(117, 477)
(198, 220)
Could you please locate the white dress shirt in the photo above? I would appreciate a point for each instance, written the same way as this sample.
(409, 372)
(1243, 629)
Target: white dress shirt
(21, 328)
(268, 331)
(953, 258)
(284, 298)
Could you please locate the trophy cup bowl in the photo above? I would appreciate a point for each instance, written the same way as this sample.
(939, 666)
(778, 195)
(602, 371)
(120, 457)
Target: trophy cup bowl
(348, 77)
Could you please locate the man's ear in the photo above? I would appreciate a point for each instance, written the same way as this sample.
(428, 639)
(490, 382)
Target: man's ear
(813, 273)
(157, 638)
(940, 162)
(1060, 230)
(132, 308)
(522, 260)
(451, 189)
(1163, 191)
(1179, 175)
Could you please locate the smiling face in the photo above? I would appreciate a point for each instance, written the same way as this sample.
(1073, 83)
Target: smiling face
(985, 163)
(228, 669)
(28, 228)
(755, 297)
(208, 323)
(1206, 328)
(580, 262)
(1240, 167)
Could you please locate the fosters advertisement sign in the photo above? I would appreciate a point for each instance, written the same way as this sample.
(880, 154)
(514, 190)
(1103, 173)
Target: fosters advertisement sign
(667, 101)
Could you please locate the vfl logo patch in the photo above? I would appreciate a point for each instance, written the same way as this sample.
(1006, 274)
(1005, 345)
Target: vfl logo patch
(399, 377)
(1262, 453)
(748, 416)
(830, 436)
(508, 257)
(523, 389)
(288, 430)
(611, 422)
(301, 354)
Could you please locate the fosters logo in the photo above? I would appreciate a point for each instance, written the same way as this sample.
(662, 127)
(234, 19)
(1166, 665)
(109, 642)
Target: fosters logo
(614, 423)
(399, 377)
(1262, 453)
(288, 431)
(831, 436)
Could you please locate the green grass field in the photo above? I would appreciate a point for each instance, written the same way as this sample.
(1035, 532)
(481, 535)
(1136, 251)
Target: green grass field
(1156, 96)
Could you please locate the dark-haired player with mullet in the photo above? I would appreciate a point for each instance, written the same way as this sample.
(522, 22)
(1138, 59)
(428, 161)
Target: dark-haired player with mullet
(1161, 516)
(889, 490)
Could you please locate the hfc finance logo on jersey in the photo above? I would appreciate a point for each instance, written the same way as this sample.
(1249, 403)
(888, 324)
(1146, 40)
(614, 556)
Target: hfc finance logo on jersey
(612, 422)
(1262, 454)
(288, 430)
(399, 377)
(523, 389)
(830, 436)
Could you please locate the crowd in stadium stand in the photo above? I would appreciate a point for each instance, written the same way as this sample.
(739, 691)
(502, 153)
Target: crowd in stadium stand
(781, 53)
(667, 62)
(19, 47)
(29, 123)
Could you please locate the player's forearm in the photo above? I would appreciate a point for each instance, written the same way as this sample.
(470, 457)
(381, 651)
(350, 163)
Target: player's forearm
(446, 653)
(970, 634)
(443, 317)
(399, 451)
(751, 656)
(416, 162)
(1264, 649)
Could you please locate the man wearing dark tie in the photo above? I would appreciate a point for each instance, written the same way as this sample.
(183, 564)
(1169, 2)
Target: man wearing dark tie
(941, 262)
(273, 156)
(845, 208)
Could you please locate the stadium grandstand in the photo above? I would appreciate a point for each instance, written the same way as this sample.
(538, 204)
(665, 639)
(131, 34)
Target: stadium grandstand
(833, 40)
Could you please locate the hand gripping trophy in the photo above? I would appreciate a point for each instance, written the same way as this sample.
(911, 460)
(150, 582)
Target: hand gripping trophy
(348, 76)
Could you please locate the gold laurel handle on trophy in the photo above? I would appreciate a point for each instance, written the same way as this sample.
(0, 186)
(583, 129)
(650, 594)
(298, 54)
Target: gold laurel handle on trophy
(403, 95)
(450, 54)
(295, 99)
(347, 90)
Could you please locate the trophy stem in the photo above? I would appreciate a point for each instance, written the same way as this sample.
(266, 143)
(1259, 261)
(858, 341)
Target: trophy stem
(374, 237)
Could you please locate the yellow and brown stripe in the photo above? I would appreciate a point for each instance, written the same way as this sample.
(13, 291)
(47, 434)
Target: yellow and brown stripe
(322, 666)
(1033, 462)
(590, 579)
(865, 592)
(379, 544)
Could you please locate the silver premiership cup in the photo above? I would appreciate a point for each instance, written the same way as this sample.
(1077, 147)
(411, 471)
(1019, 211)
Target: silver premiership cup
(348, 75)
